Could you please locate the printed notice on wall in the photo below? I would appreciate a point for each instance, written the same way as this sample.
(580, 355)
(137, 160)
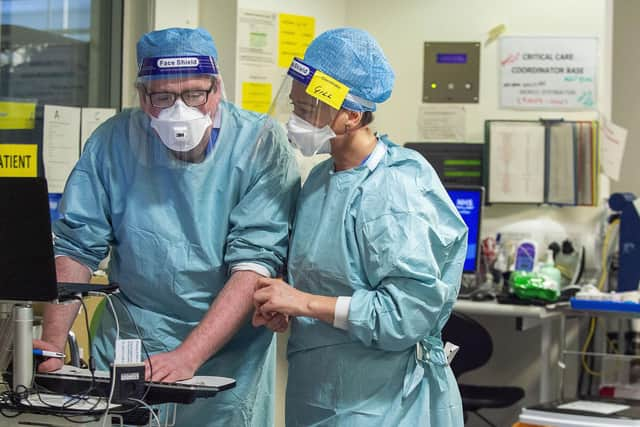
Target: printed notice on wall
(60, 144)
(294, 35)
(613, 139)
(257, 56)
(442, 123)
(548, 73)
(90, 119)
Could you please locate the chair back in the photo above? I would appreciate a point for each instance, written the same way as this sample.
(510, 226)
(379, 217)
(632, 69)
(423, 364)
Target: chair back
(473, 339)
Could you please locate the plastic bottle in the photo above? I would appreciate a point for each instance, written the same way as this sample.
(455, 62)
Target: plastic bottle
(543, 284)
(549, 271)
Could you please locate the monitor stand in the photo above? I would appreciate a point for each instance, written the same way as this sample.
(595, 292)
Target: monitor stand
(22, 346)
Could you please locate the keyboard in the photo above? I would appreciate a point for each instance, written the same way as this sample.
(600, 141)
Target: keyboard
(67, 290)
(72, 380)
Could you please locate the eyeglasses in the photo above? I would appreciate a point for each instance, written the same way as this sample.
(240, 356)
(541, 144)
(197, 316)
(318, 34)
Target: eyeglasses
(192, 98)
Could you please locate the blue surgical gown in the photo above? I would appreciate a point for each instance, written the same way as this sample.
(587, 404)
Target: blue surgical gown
(176, 229)
(387, 235)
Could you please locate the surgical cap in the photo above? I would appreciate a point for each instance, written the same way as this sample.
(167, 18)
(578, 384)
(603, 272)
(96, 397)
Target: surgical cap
(355, 59)
(176, 42)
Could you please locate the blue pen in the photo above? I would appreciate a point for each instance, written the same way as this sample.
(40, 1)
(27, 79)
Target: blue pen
(45, 353)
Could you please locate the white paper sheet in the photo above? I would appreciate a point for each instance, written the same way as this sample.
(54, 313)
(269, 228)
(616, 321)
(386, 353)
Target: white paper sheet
(613, 139)
(91, 119)
(60, 145)
(442, 123)
(516, 173)
(597, 407)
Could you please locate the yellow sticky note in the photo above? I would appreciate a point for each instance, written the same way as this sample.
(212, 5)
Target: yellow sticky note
(18, 160)
(294, 35)
(256, 96)
(327, 89)
(494, 33)
(17, 115)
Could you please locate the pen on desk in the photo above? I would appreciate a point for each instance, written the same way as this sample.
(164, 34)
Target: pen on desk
(45, 353)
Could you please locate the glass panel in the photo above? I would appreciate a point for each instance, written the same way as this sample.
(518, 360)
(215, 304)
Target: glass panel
(61, 51)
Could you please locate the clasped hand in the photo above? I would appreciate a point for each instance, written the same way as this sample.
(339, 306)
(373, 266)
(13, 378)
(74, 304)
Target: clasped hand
(275, 301)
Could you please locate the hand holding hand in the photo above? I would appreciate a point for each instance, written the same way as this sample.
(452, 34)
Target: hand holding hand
(277, 322)
(276, 296)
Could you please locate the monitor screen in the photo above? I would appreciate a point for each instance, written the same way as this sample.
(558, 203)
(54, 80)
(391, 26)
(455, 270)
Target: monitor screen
(468, 201)
(456, 163)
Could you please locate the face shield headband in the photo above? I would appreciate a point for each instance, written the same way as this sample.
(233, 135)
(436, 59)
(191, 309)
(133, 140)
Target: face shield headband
(167, 67)
(327, 89)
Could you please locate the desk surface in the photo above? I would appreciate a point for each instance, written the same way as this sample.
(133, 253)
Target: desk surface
(493, 308)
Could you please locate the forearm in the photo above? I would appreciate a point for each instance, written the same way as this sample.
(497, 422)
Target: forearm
(58, 318)
(320, 307)
(225, 317)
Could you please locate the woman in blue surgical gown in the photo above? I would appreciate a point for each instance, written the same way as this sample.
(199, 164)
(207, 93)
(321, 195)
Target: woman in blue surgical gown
(375, 260)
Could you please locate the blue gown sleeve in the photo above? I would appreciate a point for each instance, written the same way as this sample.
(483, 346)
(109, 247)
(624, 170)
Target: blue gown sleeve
(413, 261)
(84, 231)
(261, 220)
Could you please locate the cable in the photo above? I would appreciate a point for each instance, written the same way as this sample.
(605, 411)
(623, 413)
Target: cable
(605, 252)
(149, 408)
(601, 281)
(144, 347)
(485, 419)
(113, 374)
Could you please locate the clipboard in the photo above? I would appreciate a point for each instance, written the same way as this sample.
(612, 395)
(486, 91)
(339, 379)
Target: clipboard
(550, 161)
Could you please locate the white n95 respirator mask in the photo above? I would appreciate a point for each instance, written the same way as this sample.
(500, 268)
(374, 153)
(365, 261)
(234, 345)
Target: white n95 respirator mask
(180, 127)
(307, 138)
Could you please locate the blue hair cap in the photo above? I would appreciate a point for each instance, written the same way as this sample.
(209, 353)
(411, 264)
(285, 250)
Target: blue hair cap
(176, 42)
(355, 59)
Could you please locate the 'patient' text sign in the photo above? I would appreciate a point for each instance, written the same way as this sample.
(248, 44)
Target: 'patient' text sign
(18, 160)
(548, 73)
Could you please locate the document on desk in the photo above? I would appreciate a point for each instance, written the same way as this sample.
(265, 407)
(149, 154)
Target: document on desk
(517, 156)
(604, 408)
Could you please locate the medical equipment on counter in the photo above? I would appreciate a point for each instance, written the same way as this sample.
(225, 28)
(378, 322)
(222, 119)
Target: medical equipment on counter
(629, 242)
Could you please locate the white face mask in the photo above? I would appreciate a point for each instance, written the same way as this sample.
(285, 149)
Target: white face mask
(180, 127)
(309, 139)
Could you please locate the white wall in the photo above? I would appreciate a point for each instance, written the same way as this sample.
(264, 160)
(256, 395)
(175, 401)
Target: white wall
(403, 29)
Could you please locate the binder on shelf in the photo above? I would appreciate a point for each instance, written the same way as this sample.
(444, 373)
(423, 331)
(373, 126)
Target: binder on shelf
(542, 161)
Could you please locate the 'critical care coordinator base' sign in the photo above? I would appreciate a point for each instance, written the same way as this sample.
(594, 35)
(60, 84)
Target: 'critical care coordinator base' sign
(548, 73)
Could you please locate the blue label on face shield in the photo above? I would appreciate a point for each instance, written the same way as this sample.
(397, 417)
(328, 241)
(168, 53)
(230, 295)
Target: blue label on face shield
(171, 65)
(301, 71)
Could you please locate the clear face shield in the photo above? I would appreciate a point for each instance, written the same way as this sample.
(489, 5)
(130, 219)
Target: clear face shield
(181, 97)
(308, 101)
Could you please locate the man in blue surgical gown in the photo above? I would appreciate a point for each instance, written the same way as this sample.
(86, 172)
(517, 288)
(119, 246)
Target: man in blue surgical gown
(376, 256)
(193, 196)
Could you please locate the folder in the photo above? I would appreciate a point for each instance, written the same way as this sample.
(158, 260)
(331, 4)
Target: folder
(542, 161)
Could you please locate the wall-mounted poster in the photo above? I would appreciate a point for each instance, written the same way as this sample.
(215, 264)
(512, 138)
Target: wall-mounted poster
(548, 73)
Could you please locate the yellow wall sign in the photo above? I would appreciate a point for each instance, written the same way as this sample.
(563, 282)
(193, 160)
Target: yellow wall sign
(17, 115)
(18, 160)
(327, 89)
(256, 96)
(294, 35)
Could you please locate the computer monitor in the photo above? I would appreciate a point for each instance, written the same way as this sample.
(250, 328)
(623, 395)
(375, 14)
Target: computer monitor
(468, 200)
(457, 163)
(27, 268)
